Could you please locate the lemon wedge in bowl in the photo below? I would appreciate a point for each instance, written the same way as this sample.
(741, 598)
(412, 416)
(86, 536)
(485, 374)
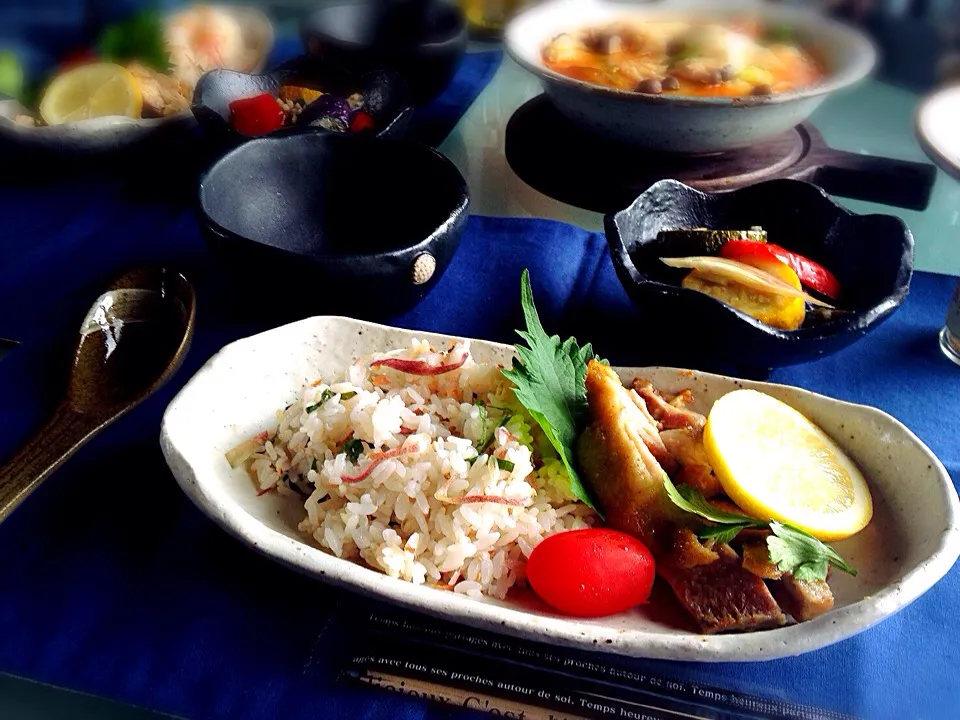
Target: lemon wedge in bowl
(91, 91)
(777, 465)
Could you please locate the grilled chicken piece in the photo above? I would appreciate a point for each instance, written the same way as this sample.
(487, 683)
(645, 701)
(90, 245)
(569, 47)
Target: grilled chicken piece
(669, 416)
(615, 459)
(756, 559)
(680, 400)
(688, 551)
(722, 596)
(618, 456)
(700, 477)
(162, 94)
(803, 599)
(651, 436)
(686, 447)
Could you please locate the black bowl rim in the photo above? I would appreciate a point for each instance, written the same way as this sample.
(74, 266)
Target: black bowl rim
(455, 215)
(460, 33)
(839, 326)
(402, 116)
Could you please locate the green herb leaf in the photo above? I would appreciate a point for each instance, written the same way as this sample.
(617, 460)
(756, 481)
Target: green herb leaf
(504, 464)
(489, 441)
(324, 396)
(550, 383)
(796, 552)
(139, 37)
(482, 411)
(721, 533)
(347, 395)
(792, 550)
(353, 448)
(692, 500)
(11, 75)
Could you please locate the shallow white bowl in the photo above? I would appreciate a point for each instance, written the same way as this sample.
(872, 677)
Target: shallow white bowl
(675, 123)
(106, 134)
(911, 543)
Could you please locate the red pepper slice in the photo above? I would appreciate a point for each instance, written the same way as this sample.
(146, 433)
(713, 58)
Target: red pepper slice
(257, 115)
(361, 121)
(812, 274)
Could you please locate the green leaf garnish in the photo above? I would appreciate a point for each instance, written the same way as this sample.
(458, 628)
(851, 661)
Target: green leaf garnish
(504, 464)
(347, 395)
(792, 550)
(353, 448)
(549, 378)
(692, 500)
(721, 533)
(140, 38)
(11, 75)
(482, 412)
(796, 552)
(324, 396)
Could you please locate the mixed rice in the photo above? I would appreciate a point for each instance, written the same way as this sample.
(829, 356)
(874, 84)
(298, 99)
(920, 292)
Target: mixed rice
(420, 464)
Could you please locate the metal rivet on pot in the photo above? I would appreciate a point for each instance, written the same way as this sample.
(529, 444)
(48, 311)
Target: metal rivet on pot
(424, 265)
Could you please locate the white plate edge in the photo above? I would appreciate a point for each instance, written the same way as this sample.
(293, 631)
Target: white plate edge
(788, 641)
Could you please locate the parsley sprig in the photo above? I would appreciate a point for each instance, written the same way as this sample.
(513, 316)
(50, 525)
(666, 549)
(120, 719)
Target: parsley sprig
(550, 379)
(792, 550)
(138, 37)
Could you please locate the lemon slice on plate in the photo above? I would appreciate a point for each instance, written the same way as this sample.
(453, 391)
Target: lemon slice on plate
(777, 465)
(91, 91)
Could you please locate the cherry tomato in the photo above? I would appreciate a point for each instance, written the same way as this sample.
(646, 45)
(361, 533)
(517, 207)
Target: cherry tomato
(361, 121)
(591, 572)
(257, 115)
(811, 274)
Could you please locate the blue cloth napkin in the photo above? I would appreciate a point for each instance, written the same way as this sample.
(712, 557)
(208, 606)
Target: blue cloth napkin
(112, 583)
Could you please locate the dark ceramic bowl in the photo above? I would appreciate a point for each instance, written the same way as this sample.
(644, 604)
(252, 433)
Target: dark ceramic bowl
(334, 224)
(422, 40)
(871, 255)
(386, 93)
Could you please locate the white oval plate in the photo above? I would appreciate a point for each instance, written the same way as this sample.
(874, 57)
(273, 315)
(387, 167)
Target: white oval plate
(912, 542)
(936, 124)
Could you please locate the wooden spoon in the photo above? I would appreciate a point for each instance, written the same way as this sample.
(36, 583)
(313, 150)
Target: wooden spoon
(133, 339)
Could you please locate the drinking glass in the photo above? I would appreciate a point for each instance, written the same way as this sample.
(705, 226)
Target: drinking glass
(950, 335)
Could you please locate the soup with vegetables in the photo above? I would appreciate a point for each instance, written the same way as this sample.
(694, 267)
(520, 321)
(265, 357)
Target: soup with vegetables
(732, 59)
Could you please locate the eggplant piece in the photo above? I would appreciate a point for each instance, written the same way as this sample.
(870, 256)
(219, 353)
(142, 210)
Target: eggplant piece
(329, 112)
(685, 242)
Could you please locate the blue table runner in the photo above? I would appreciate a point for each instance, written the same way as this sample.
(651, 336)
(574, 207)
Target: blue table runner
(112, 583)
